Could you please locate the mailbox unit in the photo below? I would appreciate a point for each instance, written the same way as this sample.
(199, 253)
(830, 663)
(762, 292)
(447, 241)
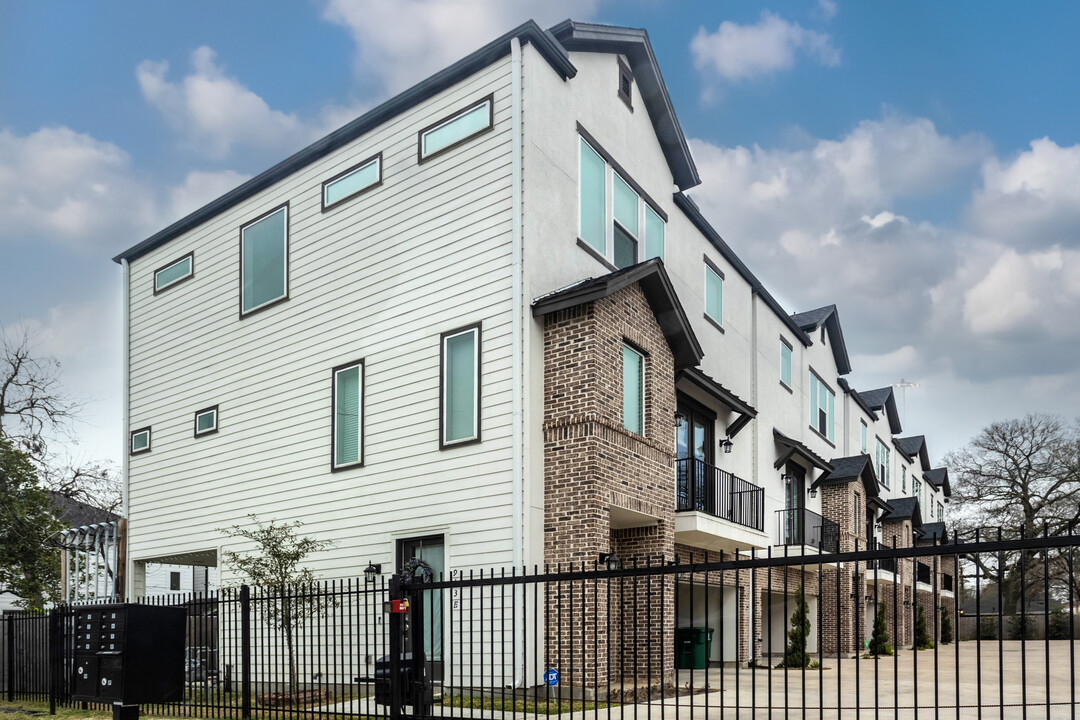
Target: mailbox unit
(129, 654)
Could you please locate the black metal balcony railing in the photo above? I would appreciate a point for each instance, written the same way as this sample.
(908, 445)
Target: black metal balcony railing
(881, 564)
(708, 489)
(923, 573)
(800, 526)
(946, 582)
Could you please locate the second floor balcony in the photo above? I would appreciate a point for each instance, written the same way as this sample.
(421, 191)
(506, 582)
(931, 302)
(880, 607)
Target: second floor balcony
(799, 526)
(708, 489)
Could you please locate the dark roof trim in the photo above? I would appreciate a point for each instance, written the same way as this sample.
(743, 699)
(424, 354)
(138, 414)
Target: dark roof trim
(828, 316)
(848, 390)
(690, 209)
(715, 390)
(635, 45)
(903, 509)
(915, 445)
(656, 285)
(939, 477)
(528, 32)
(850, 469)
(797, 449)
(900, 449)
(884, 399)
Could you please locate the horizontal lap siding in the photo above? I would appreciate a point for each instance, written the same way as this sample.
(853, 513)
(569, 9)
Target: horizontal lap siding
(378, 277)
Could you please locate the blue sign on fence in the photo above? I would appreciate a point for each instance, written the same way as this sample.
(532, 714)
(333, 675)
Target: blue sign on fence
(551, 676)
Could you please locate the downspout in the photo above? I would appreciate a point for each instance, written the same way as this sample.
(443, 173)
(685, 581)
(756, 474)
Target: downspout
(126, 414)
(517, 324)
(754, 465)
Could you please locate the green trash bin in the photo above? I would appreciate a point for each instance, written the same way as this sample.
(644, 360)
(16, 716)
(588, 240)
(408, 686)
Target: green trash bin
(692, 647)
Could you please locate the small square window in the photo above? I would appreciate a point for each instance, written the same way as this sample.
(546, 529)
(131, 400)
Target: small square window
(174, 273)
(206, 421)
(140, 441)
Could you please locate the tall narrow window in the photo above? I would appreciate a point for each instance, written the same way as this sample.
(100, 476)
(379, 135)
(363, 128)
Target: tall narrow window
(633, 374)
(785, 363)
(654, 234)
(264, 260)
(174, 580)
(858, 513)
(456, 129)
(348, 415)
(174, 273)
(862, 435)
(206, 422)
(884, 463)
(593, 197)
(822, 407)
(714, 294)
(625, 227)
(140, 441)
(460, 409)
(916, 489)
(352, 182)
(903, 479)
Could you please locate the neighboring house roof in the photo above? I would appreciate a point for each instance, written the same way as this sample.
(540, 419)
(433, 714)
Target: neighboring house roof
(914, 446)
(852, 469)
(884, 399)
(553, 45)
(75, 514)
(797, 449)
(812, 320)
(693, 214)
(939, 477)
(654, 282)
(935, 532)
(634, 45)
(717, 391)
(905, 509)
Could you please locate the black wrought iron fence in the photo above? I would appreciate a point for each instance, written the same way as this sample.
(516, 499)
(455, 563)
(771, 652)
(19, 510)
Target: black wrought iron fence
(822, 635)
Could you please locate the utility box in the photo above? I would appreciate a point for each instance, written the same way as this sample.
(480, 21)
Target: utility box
(129, 654)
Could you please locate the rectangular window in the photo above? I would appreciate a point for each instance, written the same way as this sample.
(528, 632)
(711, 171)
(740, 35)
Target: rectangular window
(903, 478)
(884, 462)
(916, 488)
(460, 398)
(785, 363)
(654, 234)
(352, 182)
(174, 273)
(140, 441)
(633, 375)
(456, 129)
(822, 407)
(625, 226)
(862, 435)
(714, 294)
(940, 511)
(174, 581)
(206, 421)
(348, 415)
(858, 513)
(264, 260)
(592, 198)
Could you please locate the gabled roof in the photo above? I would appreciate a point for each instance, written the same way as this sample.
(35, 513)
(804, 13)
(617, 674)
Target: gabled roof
(527, 33)
(915, 445)
(714, 389)
(884, 399)
(812, 320)
(654, 282)
(851, 469)
(693, 214)
(904, 509)
(939, 477)
(635, 46)
(797, 449)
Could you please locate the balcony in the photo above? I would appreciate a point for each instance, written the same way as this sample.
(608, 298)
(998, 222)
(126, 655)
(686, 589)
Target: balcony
(802, 527)
(881, 570)
(708, 489)
(947, 583)
(922, 573)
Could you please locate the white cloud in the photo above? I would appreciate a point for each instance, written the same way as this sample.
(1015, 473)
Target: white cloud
(739, 52)
(1034, 200)
(1027, 293)
(827, 8)
(64, 186)
(200, 188)
(404, 41)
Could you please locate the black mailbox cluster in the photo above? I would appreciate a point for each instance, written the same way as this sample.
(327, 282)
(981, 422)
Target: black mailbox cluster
(129, 654)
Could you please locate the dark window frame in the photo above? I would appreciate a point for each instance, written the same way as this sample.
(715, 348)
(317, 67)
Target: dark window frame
(477, 326)
(791, 365)
(610, 160)
(718, 324)
(174, 580)
(377, 157)
(212, 408)
(288, 265)
(149, 440)
(334, 467)
(421, 158)
(626, 77)
(174, 283)
(824, 436)
(644, 384)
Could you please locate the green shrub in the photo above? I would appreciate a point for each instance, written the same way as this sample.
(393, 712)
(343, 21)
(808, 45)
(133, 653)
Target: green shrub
(1022, 627)
(795, 654)
(922, 637)
(879, 638)
(946, 627)
(988, 628)
(1059, 625)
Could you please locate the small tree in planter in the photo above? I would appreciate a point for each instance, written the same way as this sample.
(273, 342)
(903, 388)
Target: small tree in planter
(922, 636)
(275, 566)
(795, 654)
(946, 627)
(879, 637)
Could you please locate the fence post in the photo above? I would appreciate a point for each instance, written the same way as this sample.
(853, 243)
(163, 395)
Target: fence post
(397, 631)
(10, 658)
(55, 665)
(245, 651)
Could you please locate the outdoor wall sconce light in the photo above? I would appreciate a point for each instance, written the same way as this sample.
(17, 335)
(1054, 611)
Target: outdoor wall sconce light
(613, 561)
(726, 445)
(680, 421)
(813, 491)
(372, 570)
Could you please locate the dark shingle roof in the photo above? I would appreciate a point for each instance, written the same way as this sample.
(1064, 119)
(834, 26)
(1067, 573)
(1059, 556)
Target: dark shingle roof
(73, 513)
(828, 316)
(884, 399)
(939, 477)
(904, 509)
(813, 319)
(796, 448)
(911, 445)
(935, 531)
(851, 469)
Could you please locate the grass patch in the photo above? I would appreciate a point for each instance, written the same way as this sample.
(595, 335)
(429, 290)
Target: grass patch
(535, 706)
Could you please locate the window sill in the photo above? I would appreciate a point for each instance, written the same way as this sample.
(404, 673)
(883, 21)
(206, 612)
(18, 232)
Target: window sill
(265, 306)
(818, 433)
(596, 256)
(786, 387)
(458, 443)
(715, 324)
(349, 466)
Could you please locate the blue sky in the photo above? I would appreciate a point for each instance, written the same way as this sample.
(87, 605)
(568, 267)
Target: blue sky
(917, 163)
